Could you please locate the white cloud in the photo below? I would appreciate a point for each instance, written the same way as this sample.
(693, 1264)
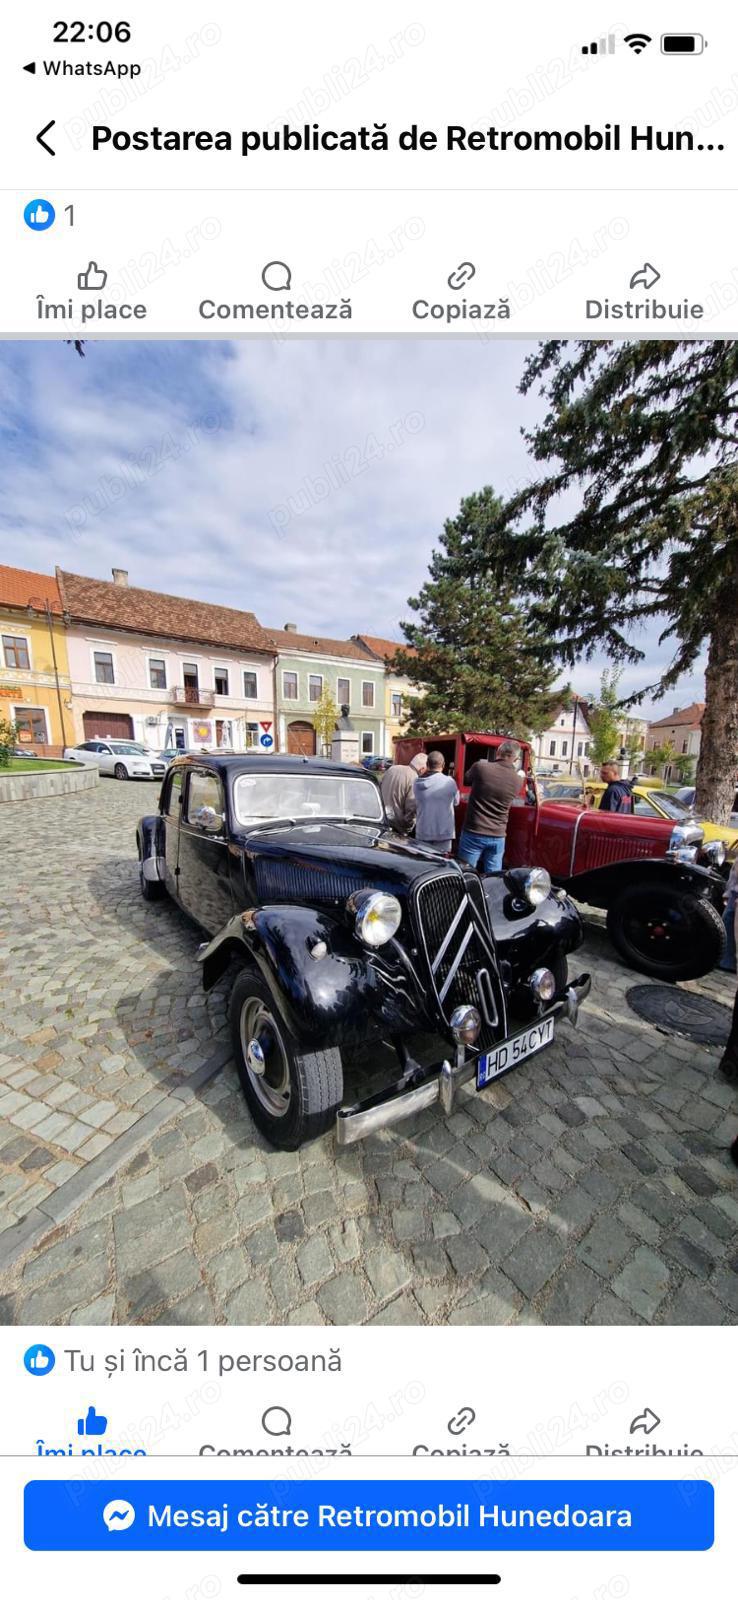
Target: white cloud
(305, 480)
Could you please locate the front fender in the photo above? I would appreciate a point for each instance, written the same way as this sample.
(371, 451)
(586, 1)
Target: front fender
(151, 846)
(603, 886)
(343, 997)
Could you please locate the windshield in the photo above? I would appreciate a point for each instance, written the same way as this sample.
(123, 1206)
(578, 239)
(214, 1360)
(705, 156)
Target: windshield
(128, 749)
(674, 808)
(296, 797)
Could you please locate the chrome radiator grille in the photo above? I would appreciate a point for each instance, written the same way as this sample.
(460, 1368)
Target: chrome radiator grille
(462, 967)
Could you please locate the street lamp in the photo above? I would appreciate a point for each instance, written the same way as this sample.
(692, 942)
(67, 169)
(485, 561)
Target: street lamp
(35, 605)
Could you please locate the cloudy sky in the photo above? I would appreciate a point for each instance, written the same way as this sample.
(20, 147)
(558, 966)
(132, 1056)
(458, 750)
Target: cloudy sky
(304, 480)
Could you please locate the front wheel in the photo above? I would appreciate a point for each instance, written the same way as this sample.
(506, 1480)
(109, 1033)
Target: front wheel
(119, 771)
(666, 933)
(293, 1096)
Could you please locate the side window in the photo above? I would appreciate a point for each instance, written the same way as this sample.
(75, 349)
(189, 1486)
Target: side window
(643, 808)
(204, 790)
(173, 796)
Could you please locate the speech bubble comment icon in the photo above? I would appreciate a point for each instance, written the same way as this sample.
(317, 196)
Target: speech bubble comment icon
(118, 1515)
(277, 275)
(276, 1421)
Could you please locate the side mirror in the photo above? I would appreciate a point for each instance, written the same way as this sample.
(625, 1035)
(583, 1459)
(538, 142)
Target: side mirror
(207, 818)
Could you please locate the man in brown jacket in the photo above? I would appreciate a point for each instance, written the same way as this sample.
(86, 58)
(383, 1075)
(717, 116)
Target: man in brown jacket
(398, 792)
(494, 786)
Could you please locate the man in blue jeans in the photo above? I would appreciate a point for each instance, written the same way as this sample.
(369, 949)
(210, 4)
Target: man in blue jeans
(494, 786)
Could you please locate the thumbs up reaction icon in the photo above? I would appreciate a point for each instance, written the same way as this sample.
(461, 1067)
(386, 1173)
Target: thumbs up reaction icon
(93, 1425)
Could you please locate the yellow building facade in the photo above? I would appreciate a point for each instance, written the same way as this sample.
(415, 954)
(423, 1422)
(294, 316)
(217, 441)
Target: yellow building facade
(35, 685)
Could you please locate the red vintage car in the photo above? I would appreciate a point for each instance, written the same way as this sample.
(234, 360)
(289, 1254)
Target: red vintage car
(659, 884)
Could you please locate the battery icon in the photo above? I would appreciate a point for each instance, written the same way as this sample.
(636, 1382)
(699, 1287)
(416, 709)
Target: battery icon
(683, 44)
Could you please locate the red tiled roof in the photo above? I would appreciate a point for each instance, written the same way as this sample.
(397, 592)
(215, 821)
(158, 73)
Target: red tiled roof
(385, 648)
(19, 588)
(688, 717)
(115, 605)
(284, 639)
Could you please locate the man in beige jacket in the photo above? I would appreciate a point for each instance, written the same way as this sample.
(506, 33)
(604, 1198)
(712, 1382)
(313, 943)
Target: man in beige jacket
(397, 791)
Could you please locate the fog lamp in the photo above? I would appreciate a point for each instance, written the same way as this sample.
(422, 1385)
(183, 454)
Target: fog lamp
(543, 984)
(466, 1024)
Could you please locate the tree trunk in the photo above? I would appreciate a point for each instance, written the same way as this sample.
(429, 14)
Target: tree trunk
(717, 768)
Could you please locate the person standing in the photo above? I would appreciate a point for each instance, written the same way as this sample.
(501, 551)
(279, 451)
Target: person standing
(730, 919)
(397, 789)
(618, 794)
(494, 785)
(436, 797)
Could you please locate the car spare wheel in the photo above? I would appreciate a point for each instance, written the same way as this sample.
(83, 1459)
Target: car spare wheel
(293, 1096)
(666, 933)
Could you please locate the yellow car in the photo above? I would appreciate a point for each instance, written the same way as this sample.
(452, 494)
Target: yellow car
(651, 801)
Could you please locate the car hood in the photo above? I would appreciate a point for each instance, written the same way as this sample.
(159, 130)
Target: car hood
(330, 860)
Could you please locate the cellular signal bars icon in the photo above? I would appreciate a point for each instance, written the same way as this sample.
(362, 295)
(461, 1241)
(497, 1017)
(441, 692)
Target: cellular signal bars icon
(600, 47)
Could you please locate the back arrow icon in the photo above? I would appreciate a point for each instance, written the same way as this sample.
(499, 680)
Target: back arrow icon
(41, 140)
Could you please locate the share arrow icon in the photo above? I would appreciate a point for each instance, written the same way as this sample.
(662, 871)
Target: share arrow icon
(646, 1422)
(645, 277)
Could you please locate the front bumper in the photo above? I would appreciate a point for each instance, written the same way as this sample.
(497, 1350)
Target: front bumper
(422, 1087)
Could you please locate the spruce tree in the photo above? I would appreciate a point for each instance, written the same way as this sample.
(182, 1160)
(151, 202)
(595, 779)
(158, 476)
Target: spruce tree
(635, 519)
(477, 656)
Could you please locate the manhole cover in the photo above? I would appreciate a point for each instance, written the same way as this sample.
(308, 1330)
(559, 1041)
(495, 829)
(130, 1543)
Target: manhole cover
(674, 1011)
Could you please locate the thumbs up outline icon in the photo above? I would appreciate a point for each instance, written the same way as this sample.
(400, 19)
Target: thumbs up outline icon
(94, 277)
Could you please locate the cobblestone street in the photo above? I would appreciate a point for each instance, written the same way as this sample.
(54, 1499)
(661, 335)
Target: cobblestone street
(591, 1185)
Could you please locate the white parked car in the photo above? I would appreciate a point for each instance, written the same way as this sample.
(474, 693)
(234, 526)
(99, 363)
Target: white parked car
(120, 758)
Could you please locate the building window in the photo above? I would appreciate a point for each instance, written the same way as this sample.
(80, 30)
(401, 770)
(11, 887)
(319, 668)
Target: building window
(249, 686)
(565, 747)
(562, 723)
(157, 672)
(103, 660)
(251, 735)
(367, 699)
(30, 722)
(685, 746)
(15, 650)
(343, 690)
(289, 685)
(367, 743)
(315, 685)
(580, 748)
(220, 679)
(552, 748)
(397, 705)
(586, 748)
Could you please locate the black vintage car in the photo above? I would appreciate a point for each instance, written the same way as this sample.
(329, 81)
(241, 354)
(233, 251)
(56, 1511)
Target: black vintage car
(348, 937)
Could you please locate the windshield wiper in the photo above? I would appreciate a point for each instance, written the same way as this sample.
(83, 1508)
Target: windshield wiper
(269, 822)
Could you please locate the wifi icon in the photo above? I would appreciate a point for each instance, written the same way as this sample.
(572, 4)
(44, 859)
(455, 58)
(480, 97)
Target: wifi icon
(638, 41)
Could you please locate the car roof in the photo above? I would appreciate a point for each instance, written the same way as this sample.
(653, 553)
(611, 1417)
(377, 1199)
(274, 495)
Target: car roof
(245, 762)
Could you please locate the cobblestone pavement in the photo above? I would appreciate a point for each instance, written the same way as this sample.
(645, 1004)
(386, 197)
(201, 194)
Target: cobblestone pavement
(591, 1185)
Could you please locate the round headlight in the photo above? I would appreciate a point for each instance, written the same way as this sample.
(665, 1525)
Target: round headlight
(714, 852)
(378, 916)
(466, 1024)
(537, 886)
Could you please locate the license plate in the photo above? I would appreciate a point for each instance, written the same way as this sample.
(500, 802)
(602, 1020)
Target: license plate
(513, 1051)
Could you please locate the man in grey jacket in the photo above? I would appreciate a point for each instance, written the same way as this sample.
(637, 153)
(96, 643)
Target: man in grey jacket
(436, 796)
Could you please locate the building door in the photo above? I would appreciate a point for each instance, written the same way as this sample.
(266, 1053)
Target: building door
(300, 739)
(107, 725)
